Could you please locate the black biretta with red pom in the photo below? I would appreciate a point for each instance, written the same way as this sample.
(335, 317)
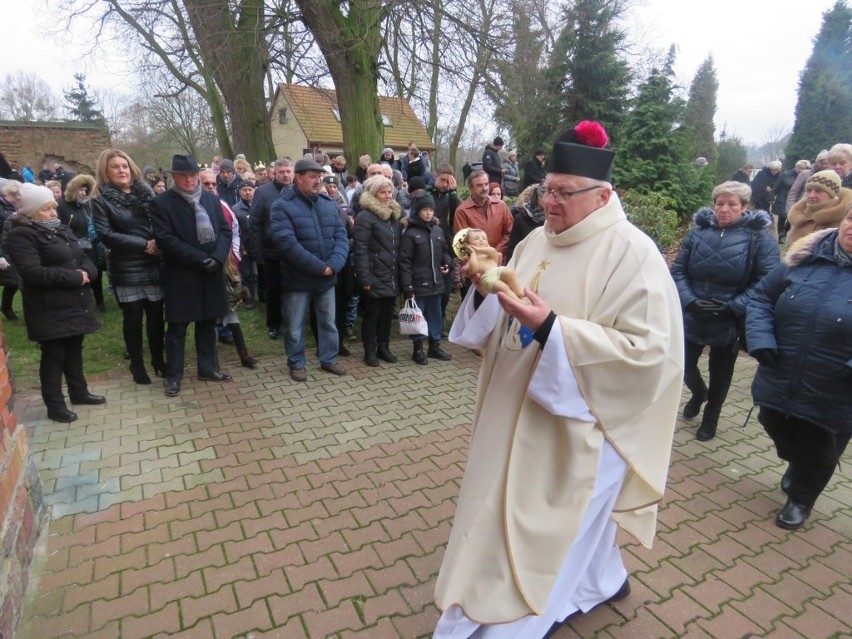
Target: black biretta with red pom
(581, 151)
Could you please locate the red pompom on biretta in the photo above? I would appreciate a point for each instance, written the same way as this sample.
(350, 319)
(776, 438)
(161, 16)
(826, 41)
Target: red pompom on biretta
(591, 133)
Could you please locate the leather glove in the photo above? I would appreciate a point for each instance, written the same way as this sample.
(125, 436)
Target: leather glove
(210, 265)
(766, 356)
(3, 264)
(409, 295)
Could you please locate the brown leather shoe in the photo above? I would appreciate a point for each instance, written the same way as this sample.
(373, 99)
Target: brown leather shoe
(334, 369)
(298, 374)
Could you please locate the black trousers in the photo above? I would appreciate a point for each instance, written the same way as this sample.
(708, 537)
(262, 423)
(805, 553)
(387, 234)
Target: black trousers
(8, 296)
(154, 320)
(721, 365)
(272, 294)
(205, 348)
(62, 357)
(378, 313)
(812, 452)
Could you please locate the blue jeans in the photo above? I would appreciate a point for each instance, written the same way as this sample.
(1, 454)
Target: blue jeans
(294, 308)
(431, 307)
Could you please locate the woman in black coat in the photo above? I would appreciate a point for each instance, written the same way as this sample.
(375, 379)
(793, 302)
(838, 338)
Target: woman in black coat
(720, 262)
(55, 276)
(424, 260)
(799, 328)
(121, 210)
(376, 247)
(528, 216)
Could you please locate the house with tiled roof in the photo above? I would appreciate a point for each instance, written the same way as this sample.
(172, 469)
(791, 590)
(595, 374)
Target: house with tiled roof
(307, 118)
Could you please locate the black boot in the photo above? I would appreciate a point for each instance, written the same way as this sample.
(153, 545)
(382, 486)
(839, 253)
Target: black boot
(240, 341)
(370, 358)
(384, 354)
(709, 421)
(132, 330)
(695, 383)
(419, 356)
(436, 352)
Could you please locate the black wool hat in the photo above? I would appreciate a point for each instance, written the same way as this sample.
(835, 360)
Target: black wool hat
(580, 151)
(498, 141)
(184, 164)
(422, 202)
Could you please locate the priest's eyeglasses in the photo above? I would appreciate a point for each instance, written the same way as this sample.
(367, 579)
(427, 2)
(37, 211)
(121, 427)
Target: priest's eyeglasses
(562, 196)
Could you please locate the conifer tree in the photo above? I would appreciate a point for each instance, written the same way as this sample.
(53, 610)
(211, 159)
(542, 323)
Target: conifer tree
(652, 155)
(700, 111)
(732, 155)
(82, 106)
(824, 106)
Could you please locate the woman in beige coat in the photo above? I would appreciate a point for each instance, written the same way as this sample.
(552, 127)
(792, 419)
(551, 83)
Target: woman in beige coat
(823, 206)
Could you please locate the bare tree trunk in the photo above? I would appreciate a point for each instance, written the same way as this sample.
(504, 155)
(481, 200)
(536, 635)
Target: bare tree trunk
(234, 50)
(351, 46)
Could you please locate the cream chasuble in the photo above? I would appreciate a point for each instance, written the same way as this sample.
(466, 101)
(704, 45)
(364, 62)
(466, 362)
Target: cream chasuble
(532, 465)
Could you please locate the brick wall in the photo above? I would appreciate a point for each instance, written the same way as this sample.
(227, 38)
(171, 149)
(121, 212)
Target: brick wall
(22, 513)
(76, 146)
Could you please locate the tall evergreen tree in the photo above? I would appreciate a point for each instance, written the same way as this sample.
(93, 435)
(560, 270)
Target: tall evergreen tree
(652, 156)
(82, 106)
(732, 155)
(824, 107)
(700, 111)
(585, 78)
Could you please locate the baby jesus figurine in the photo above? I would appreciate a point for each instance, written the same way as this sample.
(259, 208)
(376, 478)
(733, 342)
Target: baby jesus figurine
(471, 245)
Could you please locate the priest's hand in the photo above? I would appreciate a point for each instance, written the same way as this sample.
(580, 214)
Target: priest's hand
(530, 313)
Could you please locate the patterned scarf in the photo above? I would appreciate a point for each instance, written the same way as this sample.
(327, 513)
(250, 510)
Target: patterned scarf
(203, 226)
(50, 225)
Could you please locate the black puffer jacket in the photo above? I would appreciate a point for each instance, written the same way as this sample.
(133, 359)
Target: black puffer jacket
(422, 253)
(376, 246)
(713, 264)
(123, 224)
(802, 311)
(56, 304)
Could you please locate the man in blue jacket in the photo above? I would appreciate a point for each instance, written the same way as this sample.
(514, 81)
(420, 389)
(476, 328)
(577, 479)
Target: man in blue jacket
(313, 246)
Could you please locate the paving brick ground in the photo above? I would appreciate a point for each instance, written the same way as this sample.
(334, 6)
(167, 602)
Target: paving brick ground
(267, 508)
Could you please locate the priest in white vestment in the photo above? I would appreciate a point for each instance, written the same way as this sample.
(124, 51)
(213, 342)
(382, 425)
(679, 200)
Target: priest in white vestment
(576, 407)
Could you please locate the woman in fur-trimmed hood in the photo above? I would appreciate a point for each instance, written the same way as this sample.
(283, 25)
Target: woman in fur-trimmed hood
(823, 206)
(376, 248)
(799, 328)
(720, 261)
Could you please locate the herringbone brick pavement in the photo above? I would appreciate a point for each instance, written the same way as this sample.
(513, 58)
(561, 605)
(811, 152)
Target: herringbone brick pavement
(267, 508)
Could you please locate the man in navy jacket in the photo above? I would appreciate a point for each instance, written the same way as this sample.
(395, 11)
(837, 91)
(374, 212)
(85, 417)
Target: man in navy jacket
(313, 245)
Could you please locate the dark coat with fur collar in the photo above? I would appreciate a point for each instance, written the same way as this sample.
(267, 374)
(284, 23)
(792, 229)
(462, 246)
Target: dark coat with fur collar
(376, 246)
(723, 265)
(802, 311)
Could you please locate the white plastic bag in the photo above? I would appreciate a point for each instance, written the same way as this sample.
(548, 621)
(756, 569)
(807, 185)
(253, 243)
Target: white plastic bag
(411, 320)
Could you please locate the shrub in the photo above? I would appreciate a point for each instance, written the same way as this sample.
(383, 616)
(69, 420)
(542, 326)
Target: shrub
(654, 214)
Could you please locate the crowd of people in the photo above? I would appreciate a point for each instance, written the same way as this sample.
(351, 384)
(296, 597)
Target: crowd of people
(586, 335)
(316, 245)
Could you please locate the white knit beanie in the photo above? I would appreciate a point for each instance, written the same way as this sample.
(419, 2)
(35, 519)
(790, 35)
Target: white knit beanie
(32, 198)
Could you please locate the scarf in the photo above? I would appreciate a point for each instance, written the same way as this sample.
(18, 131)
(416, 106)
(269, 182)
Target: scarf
(136, 201)
(203, 226)
(843, 257)
(49, 225)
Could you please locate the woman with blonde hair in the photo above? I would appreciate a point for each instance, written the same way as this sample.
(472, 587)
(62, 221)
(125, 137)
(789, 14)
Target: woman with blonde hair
(376, 247)
(121, 210)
